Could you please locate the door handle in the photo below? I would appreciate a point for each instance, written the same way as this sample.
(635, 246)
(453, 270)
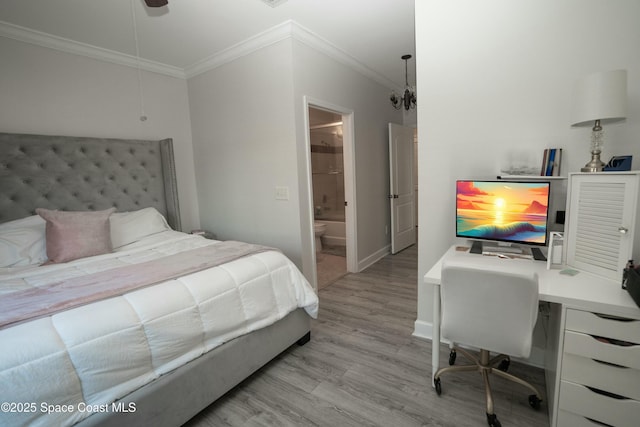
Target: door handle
(393, 196)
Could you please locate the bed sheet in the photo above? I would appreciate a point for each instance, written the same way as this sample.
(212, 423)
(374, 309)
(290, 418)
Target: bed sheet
(62, 368)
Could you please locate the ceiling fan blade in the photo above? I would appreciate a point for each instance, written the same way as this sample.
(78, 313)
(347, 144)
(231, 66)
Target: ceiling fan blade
(156, 3)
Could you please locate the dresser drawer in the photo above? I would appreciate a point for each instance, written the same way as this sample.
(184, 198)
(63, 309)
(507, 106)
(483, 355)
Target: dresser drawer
(593, 324)
(601, 349)
(569, 419)
(612, 378)
(580, 400)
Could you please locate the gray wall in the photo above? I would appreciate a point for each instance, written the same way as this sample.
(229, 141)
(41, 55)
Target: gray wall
(249, 138)
(319, 77)
(46, 91)
(244, 144)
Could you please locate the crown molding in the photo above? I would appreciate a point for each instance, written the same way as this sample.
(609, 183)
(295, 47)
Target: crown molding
(259, 41)
(50, 41)
(314, 41)
(283, 31)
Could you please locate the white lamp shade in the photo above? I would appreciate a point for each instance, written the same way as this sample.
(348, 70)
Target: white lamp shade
(600, 96)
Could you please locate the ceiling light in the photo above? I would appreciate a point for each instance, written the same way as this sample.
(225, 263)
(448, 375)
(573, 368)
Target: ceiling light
(156, 3)
(409, 99)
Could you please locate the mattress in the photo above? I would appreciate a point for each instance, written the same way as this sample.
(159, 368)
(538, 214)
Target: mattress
(61, 368)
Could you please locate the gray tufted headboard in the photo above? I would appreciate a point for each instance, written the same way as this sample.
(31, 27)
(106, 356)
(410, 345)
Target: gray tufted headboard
(73, 173)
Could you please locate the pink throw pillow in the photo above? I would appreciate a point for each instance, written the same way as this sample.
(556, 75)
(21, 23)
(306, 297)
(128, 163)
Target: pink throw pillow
(73, 235)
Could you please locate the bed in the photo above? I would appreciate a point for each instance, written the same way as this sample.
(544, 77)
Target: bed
(146, 325)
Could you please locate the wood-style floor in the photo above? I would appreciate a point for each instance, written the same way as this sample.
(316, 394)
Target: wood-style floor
(363, 367)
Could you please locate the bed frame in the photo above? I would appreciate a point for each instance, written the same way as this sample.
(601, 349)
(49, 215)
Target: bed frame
(74, 173)
(176, 397)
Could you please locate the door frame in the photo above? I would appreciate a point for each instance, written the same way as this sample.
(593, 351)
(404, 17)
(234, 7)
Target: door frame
(348, 138)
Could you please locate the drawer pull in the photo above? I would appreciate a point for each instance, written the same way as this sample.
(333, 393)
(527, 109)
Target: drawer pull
(613, 341)
(607, 393)
(616, 318)
(614, 365)
(599, 423)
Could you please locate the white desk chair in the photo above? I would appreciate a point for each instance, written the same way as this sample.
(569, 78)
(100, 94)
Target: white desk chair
(494, 310)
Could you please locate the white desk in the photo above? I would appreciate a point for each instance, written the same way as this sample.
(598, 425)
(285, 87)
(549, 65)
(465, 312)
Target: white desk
(583, 291)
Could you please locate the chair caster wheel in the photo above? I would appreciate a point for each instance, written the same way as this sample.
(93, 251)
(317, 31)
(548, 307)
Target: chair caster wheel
(452, 357)
(492, 420)
(504, 365)
(534, 401)
(438, 386)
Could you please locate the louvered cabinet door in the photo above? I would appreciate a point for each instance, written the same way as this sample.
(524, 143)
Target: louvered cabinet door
(601, 223)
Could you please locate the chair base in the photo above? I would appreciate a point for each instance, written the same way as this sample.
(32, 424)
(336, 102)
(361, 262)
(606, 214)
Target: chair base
(486, 365)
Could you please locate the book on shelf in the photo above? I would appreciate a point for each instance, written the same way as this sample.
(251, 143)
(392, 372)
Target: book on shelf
(551, 160)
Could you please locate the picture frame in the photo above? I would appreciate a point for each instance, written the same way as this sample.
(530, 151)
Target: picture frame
(619, 164)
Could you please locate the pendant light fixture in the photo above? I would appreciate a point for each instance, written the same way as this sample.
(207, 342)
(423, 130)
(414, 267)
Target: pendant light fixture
(156, 3)
(409, 99)
(143, 116)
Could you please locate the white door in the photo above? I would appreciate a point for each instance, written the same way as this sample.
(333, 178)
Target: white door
(401, 196)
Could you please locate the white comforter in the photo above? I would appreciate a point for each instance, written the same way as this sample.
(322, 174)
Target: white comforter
(59, 369)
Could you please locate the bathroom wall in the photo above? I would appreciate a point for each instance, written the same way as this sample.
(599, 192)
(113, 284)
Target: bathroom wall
(327, 165)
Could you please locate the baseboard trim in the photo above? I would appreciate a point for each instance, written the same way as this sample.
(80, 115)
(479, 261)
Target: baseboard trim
(373, 258)
(423, 330)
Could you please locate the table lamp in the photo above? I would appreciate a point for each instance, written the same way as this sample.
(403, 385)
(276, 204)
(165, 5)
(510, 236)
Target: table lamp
(599, 98)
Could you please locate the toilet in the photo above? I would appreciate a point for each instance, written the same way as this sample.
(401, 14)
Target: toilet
(319, 229)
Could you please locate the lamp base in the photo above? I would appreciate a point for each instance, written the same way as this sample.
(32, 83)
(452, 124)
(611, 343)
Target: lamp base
(591, 169)
(595, 165)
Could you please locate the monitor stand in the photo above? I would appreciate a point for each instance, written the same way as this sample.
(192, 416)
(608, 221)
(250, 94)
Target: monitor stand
(479, 247)
(537, 254)
(476, 247)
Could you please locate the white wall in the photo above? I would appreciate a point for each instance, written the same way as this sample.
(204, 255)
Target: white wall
(45, 91)
(495, 81)
(244, 144)
(249, 137)
(319, 77)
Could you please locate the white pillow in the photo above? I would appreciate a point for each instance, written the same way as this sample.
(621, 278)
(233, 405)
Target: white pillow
(129, 227)
(22, 242)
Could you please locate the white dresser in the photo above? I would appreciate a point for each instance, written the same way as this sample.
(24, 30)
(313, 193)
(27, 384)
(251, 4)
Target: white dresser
(600, 371)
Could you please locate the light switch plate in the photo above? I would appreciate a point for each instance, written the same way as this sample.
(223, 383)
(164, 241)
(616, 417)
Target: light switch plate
(282, 193)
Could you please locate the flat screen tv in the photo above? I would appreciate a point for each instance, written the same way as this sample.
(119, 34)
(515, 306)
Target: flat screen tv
(503, 211)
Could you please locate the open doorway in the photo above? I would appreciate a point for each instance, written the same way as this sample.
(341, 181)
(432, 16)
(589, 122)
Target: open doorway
(327, 183)
(331, 171)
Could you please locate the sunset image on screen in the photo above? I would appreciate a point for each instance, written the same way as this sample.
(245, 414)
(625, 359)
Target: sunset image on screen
(511, 211)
